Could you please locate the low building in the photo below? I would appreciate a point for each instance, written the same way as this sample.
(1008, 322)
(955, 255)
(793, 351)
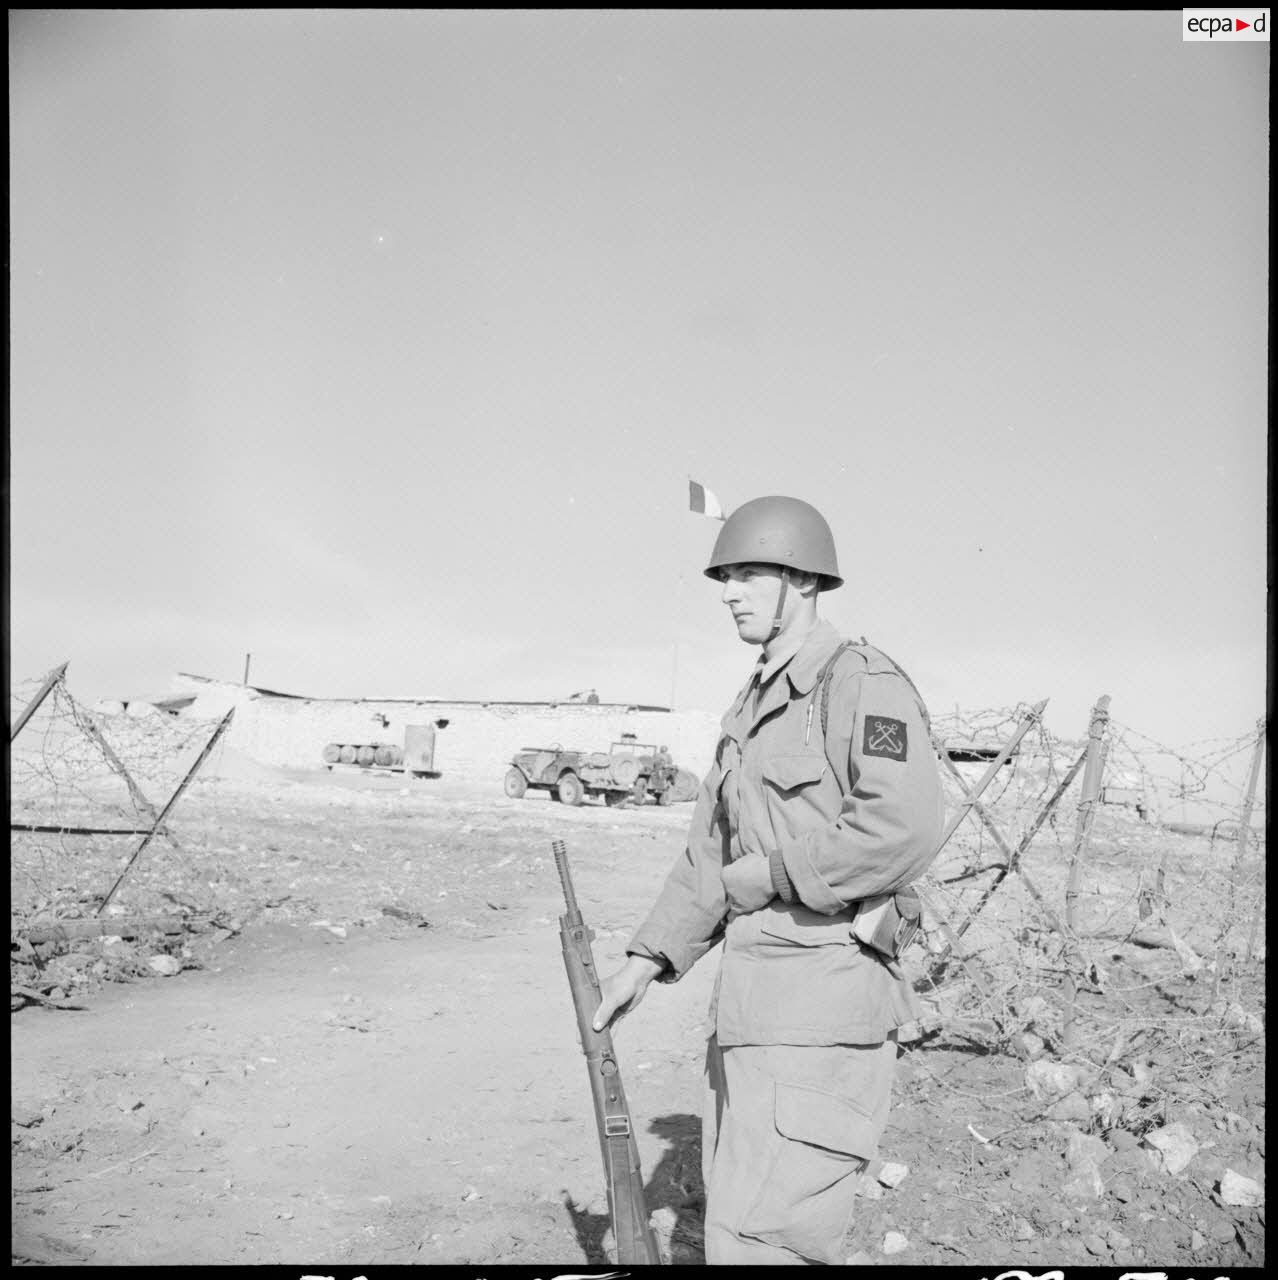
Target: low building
(474, 739)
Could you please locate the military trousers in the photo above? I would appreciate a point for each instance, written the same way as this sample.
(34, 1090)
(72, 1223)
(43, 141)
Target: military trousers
(787, 1131)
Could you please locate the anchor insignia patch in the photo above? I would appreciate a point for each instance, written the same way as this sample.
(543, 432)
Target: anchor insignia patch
(884, 737)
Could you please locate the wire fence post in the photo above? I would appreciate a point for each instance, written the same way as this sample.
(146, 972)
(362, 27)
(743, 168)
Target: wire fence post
(1093, 773)
(158, 827)
(45, 689)
(1244, 834)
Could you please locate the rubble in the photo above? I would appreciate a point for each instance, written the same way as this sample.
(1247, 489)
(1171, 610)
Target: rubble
(1174, 1145)
(1238, 1190)
(1085, 1154)
(1046, 1078)
(894, 1242)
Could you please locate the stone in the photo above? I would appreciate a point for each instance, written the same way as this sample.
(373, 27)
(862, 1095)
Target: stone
(1035, 1045)
(1085, 1154)
(165, 966)
(1238, 1190)
(1086, 1185)
(895, 1242)
(1047, 1079)
(1197, 1241)
(1243, 1020)
(1122, 1190)
(893, 1174)
(1175, 1146)
(1085, 1148)
(1095, 1245)
(1221, 1229)
(1123, 1140)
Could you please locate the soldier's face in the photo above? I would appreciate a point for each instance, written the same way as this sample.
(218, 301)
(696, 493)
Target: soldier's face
(750, 591)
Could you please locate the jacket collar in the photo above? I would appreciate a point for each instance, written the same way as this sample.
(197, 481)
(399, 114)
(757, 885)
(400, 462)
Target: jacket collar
(803, 669)
(800, 669)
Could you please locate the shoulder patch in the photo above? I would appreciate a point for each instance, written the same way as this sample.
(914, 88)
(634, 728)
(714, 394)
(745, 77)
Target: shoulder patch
(885, 737)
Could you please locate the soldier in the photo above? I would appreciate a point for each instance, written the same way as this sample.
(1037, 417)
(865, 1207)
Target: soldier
(806, 811)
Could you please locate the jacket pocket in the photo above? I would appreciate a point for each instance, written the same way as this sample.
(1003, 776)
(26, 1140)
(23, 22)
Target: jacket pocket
(800, 926)
(791, 772)
(823, 1143)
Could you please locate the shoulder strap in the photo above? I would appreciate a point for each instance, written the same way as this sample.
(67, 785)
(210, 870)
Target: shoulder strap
(827, 675)
(824, 678)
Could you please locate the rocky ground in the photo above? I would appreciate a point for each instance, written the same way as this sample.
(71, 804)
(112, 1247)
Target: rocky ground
(360, 1049)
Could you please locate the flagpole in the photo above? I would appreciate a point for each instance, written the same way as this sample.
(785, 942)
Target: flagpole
(704, 502)
(674, 659)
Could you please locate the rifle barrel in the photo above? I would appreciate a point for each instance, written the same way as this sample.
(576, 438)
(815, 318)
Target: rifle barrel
(561, 865)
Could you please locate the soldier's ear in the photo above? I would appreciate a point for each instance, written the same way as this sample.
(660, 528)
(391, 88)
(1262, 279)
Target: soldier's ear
(806, 584)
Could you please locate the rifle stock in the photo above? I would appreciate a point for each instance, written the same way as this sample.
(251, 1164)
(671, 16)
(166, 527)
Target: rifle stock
(626, 1204)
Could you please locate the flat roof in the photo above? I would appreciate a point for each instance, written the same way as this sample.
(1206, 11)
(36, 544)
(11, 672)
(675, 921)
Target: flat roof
(452, 702)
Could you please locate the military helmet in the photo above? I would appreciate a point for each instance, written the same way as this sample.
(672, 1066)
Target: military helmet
(783, 531)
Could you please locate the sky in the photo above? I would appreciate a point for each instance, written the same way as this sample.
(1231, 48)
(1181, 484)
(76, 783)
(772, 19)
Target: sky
(381, 346)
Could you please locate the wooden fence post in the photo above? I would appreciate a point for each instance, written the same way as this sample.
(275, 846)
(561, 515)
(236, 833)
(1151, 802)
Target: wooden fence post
(1093, 773)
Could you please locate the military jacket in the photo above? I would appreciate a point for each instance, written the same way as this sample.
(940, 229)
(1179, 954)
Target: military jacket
(842, 816)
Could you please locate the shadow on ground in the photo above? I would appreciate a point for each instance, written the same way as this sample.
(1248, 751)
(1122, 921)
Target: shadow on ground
(674, 1195)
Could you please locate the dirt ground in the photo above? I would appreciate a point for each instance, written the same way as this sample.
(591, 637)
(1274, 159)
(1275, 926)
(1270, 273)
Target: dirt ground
(370, 1056)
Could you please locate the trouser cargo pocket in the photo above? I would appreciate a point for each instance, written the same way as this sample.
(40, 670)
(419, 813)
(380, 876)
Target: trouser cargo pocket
(822, 1144)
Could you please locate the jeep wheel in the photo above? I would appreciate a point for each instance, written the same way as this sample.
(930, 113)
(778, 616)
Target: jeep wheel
(570, 789)
(516, 783)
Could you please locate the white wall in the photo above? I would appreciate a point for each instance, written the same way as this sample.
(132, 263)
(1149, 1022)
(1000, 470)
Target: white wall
(477, 743)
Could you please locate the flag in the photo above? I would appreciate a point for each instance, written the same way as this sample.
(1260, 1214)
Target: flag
(703, 502)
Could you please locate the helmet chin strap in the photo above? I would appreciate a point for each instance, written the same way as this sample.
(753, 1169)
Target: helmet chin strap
(776, 621)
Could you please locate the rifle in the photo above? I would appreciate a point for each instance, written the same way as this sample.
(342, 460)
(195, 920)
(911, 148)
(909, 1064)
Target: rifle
(630, 1227)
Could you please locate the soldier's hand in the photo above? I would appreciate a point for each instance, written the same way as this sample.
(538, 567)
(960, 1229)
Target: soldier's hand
(621, 991)
(747, 882)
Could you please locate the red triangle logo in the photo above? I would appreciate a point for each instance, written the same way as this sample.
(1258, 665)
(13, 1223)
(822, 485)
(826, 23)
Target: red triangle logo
(1240, 25)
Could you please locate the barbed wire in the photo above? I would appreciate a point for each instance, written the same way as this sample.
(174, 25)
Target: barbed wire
(73, 771)
(1166, 915)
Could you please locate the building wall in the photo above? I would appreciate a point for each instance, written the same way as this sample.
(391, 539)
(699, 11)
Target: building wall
(476, 744)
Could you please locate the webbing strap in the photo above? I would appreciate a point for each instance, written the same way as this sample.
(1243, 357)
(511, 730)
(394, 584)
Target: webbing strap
(826, 677)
